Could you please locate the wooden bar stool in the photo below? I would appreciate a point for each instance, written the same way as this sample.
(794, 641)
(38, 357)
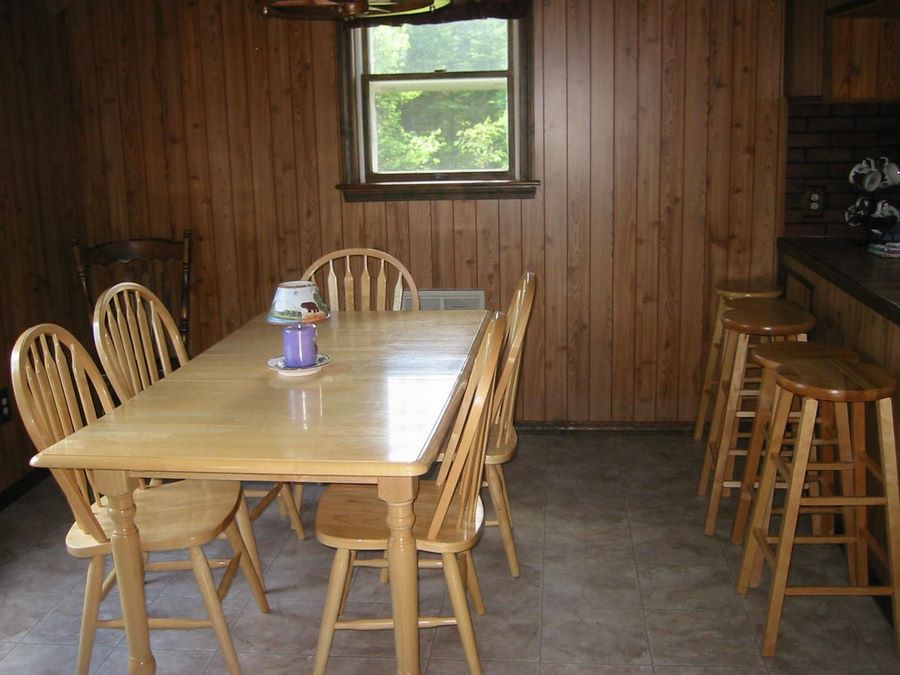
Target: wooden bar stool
(848, 387)
(725, 291)
(770, 355)
(762, 319)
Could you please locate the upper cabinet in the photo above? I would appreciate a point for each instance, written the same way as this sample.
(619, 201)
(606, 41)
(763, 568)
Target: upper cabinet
(864, 61)
(843, 51)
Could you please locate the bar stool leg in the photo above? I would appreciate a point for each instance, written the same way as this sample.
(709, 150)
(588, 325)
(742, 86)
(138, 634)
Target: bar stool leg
(752, 561)
(754, 453)
(713, 371)
(848, 489)
(728, 432)
(858, 433)
(715, 429)
(888, 447)
(789, 526)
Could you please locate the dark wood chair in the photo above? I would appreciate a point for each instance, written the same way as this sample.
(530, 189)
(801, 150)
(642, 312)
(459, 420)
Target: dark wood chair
(162, 265)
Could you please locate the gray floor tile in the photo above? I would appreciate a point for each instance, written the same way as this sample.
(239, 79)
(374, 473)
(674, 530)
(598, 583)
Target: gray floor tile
(617, 577)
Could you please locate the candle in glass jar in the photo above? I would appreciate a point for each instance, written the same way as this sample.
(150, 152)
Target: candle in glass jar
(300, 350)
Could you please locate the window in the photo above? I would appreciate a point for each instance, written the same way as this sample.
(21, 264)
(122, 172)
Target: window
(436, 111)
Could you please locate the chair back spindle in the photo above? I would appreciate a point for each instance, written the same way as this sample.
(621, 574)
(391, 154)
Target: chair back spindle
(461, 471)
(59, 390)
(348, 275)
(136, 338)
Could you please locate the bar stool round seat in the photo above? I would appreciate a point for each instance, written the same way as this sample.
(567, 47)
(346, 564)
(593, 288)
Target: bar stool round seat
(732, 290)
(844, 388)
(725, 291)
(765, 316)
(834, 380)
(744, 319)
(770, 355)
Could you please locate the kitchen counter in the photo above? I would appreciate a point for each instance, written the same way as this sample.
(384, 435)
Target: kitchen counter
(844, 262)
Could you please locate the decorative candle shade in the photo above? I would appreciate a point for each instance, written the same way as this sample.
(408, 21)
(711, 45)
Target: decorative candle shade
(298, 302)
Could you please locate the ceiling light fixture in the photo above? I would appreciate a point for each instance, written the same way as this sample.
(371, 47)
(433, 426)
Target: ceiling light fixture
(346, 9)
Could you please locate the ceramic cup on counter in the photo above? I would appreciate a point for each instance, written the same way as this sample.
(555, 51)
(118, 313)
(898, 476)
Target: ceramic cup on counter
(891, 172)
(866, 175)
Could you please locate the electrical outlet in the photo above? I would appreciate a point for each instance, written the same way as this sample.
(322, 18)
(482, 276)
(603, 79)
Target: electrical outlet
(814, 198)
(5, 406)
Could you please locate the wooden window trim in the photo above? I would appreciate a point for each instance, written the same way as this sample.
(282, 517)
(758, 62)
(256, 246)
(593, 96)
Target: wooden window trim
(520, 183)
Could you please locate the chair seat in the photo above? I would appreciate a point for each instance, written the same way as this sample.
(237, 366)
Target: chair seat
(353, 517)
(175, 515)
(500, 452)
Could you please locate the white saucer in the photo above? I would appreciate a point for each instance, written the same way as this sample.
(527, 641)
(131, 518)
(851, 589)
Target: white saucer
(276, 363)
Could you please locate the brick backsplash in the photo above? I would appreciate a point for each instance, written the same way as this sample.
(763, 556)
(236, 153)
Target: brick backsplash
(824, 142)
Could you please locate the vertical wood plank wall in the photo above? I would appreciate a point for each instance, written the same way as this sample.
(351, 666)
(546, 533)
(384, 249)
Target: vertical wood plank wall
(660, 133)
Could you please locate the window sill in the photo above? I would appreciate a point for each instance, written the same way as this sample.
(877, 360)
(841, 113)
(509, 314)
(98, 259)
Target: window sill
(407, 191)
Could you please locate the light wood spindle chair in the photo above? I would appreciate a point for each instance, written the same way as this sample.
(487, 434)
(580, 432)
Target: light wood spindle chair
(362, 279)
(139, 344)
(59, 390)
(162, 265)
(449, 517)
(502, 439)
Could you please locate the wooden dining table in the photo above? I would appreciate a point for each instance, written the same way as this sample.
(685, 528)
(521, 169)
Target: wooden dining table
(375, 414)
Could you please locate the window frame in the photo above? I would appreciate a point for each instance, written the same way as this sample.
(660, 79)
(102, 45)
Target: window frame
(360, 183)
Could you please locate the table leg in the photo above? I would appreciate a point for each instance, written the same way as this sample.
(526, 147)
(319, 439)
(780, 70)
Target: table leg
(129, 563)
(398, 494)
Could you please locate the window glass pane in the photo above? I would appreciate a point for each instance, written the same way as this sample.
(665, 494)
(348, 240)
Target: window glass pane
(449, 47)
(439, 125)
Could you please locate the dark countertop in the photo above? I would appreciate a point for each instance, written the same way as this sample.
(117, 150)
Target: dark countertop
(873, 281)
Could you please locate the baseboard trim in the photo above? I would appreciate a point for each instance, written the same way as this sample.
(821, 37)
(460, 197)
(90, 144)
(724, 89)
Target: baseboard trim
(604, 426)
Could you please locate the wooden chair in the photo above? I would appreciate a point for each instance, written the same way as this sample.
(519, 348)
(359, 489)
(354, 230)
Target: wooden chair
(163, 265)
(449, 516)
(59, 390)
(502, 439)
(138, 344)
(364, 279)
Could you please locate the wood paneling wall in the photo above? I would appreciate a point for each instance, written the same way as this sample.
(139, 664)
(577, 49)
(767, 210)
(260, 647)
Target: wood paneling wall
(38, 194)
(659, 142)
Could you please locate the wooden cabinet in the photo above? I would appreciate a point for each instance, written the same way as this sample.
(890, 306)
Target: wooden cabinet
(864, 61)
(843, 51)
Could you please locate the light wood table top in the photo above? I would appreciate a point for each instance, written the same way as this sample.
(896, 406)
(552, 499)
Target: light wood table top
(377, 413)
(374, 410)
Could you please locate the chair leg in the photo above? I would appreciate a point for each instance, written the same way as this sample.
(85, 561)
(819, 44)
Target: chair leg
(287, 502)
(256, 587)
(788, 526)
(214, 609)
(242, 519)
(89, 612)
(297, 495)
(472, 584)
(461, 611)
(494, 475)
(340, 570)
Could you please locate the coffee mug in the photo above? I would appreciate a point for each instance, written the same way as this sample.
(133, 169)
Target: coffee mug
(866, 175)
(891, 173)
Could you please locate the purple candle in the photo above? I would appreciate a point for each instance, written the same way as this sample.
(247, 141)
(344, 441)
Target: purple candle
(300, 349)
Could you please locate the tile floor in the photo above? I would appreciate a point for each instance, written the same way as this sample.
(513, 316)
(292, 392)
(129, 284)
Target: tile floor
(617, 577)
